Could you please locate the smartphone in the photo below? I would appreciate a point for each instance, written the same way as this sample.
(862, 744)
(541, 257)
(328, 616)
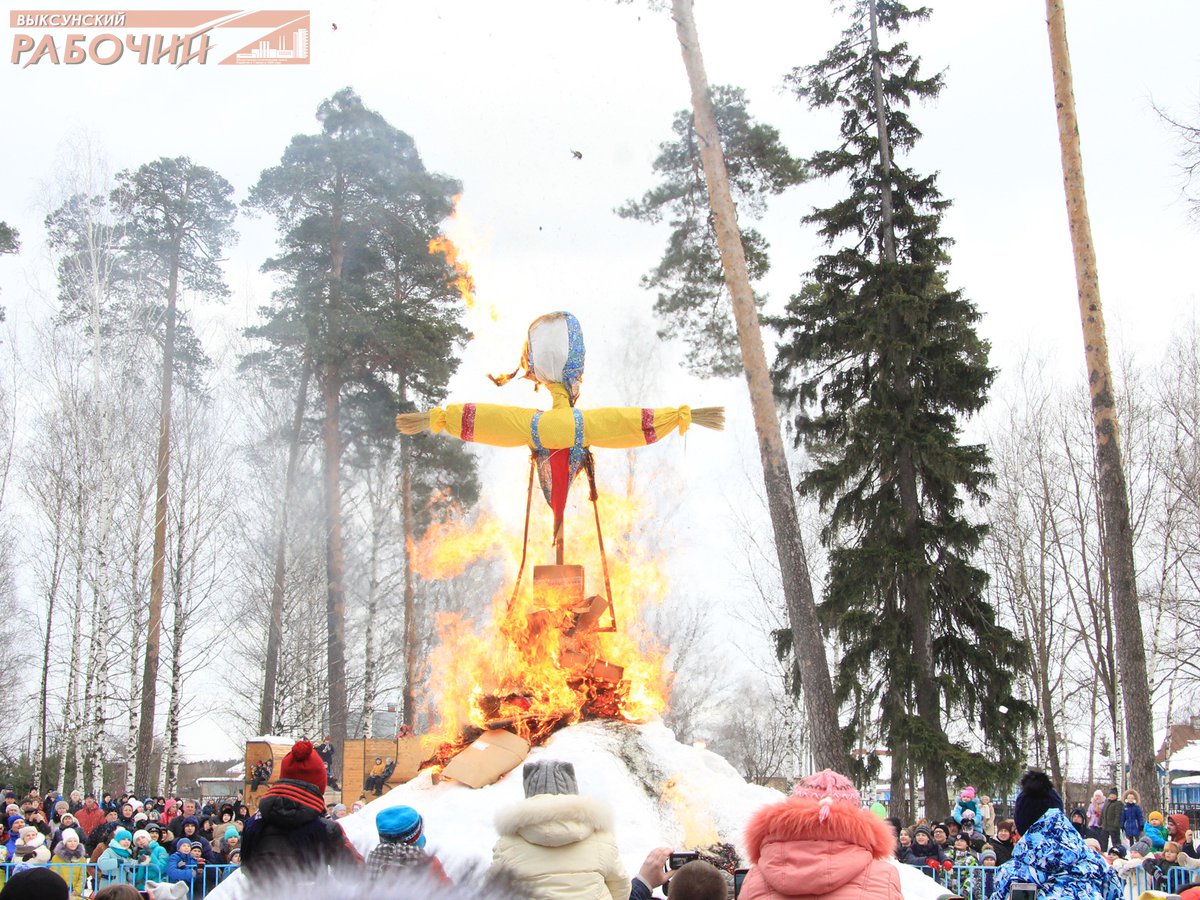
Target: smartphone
(1022, 890)
(681, 858)
(739, 875)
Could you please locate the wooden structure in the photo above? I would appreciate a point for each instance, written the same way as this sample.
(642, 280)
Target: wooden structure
(358, 758)
(256, 752)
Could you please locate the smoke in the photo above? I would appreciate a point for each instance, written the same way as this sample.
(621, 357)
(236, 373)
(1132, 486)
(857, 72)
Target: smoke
(476, 883)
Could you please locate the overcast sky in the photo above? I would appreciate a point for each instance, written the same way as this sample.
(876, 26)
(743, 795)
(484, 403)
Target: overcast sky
(500, 94)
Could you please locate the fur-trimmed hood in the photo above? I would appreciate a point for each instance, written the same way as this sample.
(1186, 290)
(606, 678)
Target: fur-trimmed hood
(807, 848)
(799, 819)
(554, 820)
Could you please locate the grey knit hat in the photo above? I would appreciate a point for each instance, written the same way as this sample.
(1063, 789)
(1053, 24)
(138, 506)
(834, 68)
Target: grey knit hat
(549, 776)
(1141, 846)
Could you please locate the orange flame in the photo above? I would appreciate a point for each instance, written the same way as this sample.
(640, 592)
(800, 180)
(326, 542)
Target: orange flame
(525, 670)
(462, 280)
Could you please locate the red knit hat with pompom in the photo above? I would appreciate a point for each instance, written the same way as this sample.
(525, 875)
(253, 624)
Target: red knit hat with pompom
(303, 764)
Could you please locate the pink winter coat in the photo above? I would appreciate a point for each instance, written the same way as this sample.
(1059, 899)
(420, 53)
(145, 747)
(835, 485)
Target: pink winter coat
(796, 854)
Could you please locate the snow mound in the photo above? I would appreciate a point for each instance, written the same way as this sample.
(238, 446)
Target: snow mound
(662, 793)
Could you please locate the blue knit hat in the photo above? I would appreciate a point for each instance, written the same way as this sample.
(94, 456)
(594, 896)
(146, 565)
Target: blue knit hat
(401, 824)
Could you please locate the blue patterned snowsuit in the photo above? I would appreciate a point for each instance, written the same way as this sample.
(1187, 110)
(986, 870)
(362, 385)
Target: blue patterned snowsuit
(1053, 856)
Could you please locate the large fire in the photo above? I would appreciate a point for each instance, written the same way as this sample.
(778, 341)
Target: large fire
(454, 243)
(534, 667)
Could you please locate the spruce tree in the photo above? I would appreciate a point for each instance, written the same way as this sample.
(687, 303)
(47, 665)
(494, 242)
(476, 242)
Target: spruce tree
(880, 358)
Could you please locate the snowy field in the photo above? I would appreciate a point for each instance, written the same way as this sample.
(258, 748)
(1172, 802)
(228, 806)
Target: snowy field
(663, 793)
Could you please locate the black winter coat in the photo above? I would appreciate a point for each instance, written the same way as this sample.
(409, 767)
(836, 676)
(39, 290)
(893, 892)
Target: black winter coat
(290, 832)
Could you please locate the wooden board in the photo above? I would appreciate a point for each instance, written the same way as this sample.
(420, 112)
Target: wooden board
(359, 758)
(255, 752)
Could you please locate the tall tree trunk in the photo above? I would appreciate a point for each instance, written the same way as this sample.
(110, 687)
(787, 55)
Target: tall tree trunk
(816, 685)
(335, 562)
(266, 711)
(410, 612)
(1118, 535)
(145, 742)
(168, 769)
(39, 762)
(370, 676)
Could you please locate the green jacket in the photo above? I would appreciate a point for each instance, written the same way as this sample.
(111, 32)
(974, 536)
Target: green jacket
(1110, 815)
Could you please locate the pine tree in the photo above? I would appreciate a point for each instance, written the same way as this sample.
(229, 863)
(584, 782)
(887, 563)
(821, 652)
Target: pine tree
(362, 300)
(178, 218)
(693, 300)
(881, 359)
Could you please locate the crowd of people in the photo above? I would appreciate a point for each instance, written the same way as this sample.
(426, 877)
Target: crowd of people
(555, 843)
(1143, 850)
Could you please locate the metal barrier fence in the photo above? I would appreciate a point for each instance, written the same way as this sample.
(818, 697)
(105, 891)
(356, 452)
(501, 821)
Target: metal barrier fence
(77, 875)
(978, 882)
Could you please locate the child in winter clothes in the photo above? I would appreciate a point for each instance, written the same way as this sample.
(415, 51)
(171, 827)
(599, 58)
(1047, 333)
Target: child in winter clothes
(924, 848)
(115, 855)
(401, 847)
(966, 800)
(1132, 819)
(180, 864)
(556, 843)
(1094, 809)
(820, 842)
(1159, 866)
(1155, 831)
(68, 861)
(965, 884)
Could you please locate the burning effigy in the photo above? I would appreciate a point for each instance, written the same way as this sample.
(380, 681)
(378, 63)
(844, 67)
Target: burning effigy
(557, 653)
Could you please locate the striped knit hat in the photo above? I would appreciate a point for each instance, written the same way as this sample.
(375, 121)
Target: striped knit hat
(302, 764)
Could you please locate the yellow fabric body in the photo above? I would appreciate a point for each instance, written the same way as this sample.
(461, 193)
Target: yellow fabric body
(511, 426)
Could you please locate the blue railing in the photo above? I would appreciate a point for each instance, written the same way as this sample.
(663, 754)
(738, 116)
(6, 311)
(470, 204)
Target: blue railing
(77, 875)
(978, 882)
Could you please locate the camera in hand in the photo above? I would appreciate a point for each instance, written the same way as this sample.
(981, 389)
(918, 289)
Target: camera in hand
(1022, 890)
(681, 858)
(738, 877)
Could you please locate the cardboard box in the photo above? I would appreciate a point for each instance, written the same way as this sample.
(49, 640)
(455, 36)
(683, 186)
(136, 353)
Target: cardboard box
(489, 758)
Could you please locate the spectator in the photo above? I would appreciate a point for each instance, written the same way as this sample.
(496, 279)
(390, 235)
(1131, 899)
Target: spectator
(961, 854)
(966, 800)
(118, 892)
(1050, 852)
(987, 816)
(653, 873)
(969, 830)
(151, 855)
(1155, 831)
(181, 866)
(401, 846)
(1160, 866)
(904, 844)
(76, 802)
(115, 856)
(1095, 809)
(1179, 829)
(230, 841)
(820, 841)
(30, 847)
(371, 782)
(1110, 820)
(941, 837)
(67, 821)
(191, 832)
(69, 860)
(556, 843)
(1079, 822)
(699, 880)
(326, 753)
(1132, 820)
(34, 884)
(1003, 842)
(924, 848)
(15, 824)
(188, 809)
(290, 831)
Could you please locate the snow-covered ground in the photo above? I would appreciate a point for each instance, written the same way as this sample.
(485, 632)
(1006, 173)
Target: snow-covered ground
(663, 793)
